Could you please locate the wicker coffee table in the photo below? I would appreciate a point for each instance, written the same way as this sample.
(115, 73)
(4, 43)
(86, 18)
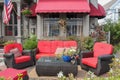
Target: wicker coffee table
(51, 66)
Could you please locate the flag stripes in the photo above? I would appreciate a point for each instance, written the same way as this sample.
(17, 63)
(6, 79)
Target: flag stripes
(7, 11)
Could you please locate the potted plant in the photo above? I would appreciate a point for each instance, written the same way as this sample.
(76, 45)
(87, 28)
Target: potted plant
(30, 43)
(68, 54)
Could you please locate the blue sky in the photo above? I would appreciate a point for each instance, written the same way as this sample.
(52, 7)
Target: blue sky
(102, 2)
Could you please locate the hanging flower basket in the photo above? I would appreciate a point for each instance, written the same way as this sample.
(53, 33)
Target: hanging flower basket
(26, 12)
(62, 22)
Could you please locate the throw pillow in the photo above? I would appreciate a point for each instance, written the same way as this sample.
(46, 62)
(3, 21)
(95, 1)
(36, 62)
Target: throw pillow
(59, 51)
(16, 52)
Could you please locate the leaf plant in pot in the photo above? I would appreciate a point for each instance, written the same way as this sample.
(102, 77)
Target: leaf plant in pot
(30, 43)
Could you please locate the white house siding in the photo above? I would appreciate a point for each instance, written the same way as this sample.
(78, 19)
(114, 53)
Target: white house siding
(113, 11)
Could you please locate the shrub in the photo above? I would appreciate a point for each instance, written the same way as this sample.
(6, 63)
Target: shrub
(87, 43)
(114, 29)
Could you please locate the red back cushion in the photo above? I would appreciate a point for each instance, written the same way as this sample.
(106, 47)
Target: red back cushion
(102, 48)
(70, 44)
(56, 44)
(8, 47)
(19, 46)
(44, 46)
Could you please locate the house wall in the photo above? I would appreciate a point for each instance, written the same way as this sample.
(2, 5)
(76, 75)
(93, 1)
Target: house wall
(93, 24)
(112, 12)
(84, 30)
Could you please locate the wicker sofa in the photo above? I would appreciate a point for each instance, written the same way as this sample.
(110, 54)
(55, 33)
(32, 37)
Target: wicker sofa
(48, 48)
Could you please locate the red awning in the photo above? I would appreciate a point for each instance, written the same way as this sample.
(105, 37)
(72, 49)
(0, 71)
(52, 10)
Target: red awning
(32, 8)
(97, 12)
(63, 6)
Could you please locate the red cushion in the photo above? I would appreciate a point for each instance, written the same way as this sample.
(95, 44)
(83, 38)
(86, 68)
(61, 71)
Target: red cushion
(19, 46)
(70, 44)
(56, 44)
(8, 47)
(92, 62)
(102, 48)
(49, 47)
(43, 54)
(44, 46)
(22, 59)
(11, 73)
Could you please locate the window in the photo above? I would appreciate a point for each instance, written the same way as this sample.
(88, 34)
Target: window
(74, 24)
(8, 31)
(51, 27)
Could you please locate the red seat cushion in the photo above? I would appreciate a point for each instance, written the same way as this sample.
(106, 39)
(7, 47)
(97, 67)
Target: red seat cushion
(22, 59)
(43, 54)
(12, 74)
(92, 62)
(102, 48)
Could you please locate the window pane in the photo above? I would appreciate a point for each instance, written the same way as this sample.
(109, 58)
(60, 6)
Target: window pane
(8, 31)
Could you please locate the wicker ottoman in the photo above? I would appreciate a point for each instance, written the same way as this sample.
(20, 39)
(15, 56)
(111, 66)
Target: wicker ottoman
(12, 74)
(51, 66)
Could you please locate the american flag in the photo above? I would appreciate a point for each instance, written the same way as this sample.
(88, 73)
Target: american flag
(7, 10)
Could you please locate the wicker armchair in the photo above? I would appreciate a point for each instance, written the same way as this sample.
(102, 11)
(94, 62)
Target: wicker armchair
(97, 60)
(22, 61)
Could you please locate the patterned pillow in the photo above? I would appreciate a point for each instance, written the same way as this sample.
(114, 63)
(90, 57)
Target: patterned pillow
(16, 52)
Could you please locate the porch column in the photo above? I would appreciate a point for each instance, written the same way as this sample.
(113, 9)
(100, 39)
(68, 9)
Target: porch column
(18, 23)
(25, 27)
(86, 26)
(40, 26)
(0, 23)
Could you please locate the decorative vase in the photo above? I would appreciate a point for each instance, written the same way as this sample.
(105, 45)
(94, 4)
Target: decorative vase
(66, 58)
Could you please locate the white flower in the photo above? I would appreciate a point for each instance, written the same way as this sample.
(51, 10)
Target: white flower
(117, 59)
(111, 70)
(60, 74)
